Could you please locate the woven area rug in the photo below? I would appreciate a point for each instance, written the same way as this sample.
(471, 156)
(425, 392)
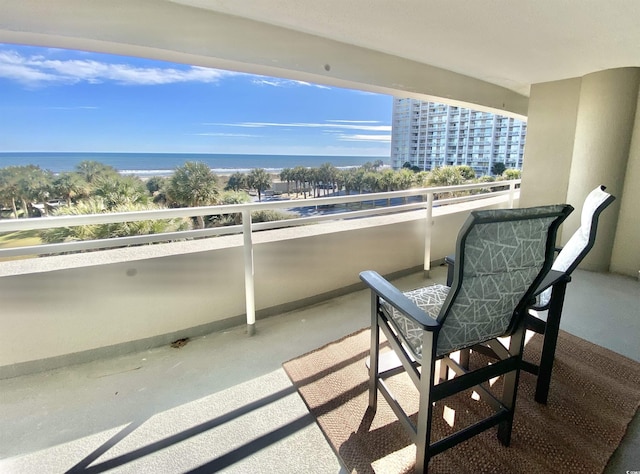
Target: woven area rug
(594, 395)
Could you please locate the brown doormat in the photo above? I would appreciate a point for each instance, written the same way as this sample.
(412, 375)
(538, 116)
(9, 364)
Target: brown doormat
(594, 395)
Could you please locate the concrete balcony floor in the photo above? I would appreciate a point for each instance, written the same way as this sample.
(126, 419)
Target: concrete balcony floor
(223, 402)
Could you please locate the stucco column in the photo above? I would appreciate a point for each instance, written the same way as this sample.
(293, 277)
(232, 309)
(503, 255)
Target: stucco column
(551, 129)
(626, 249)
(604, 125)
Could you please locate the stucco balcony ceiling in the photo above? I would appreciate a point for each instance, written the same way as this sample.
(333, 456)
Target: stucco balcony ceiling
(487, 53)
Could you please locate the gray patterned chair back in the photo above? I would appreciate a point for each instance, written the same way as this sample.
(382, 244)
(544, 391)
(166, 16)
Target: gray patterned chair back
(501, 256)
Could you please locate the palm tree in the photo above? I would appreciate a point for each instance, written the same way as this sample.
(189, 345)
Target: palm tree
(119, 190)
(467, 172)
(512, 173)
(236, 182)
(70, 186)
(91, 170)
(233, 197)
(96, 205)
(157, 187)
(371, 181)
(287, 175)
(446, 176)
(194, 184)
(314, 179)
(405, 178)
(327, 173)
(300, 175)
(259, 180)
(387, 182)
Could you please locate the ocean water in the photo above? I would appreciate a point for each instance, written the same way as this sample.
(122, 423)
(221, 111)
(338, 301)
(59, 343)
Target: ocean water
(162, 164)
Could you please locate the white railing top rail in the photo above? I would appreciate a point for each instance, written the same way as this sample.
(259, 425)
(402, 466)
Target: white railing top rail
(12, 225)
(246, 209)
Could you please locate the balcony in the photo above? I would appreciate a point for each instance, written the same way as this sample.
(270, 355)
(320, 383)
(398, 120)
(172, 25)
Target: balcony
(116, 395)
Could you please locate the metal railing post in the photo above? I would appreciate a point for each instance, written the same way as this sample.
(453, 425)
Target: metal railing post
(427, 237)
(248, 272)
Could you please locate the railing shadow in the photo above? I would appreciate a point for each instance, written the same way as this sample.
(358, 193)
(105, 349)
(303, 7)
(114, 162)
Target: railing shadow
(249, 448)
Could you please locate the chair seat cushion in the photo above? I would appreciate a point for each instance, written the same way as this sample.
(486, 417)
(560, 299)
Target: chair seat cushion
(429, 299)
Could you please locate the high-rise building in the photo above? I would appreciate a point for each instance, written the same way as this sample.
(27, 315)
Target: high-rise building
(429, 134)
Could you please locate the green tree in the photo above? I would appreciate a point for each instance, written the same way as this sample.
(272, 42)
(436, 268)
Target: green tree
(387, 180)
(327, 174)
(97, 205)
(498, 168)
(259, 180)
(287, 175)
(194, 184)
(232, 197)
(118, 190)
(405, 179)
(371, 182)
(91, 170)
(27, 184)
(445, 176)
(512, 173)
(157, 187)
(9, 188)
(422, 178)
(70, 187)
(316, 180)
(409, 166)
(467, 172)
(236, 182)
(156, 183)
(300, 175)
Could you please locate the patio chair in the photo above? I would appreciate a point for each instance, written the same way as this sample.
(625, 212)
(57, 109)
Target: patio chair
(503, 256)
(550, 299)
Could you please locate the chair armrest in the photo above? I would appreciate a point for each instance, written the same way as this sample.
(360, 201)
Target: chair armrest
(551, 279)
(395, 298)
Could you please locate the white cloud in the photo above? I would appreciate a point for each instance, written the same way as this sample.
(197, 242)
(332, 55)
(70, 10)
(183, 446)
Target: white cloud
(365, 138)
(354, 121)
(276, 82)
(325, 125)
(242, 135)
(335, 128)
(36, 70)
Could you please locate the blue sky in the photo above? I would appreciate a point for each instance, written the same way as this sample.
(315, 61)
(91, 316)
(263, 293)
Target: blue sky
(73, 101)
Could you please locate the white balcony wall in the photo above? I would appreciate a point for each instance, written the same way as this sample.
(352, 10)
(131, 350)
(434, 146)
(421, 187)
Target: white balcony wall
(116, 301)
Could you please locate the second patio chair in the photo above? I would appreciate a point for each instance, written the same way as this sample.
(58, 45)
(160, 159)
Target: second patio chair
(551, 299)
(551, 292)
(502, 256)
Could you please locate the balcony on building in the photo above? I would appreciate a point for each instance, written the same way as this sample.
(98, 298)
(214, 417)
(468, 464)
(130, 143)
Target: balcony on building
(87, 372)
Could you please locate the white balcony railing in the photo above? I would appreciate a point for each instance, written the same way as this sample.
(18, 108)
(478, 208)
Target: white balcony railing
(381, 200)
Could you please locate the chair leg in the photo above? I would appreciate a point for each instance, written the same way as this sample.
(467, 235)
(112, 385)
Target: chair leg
(464, 358)
(510, 389)
(443, 370)
(373, 353)
(425, 409)
(552, 328)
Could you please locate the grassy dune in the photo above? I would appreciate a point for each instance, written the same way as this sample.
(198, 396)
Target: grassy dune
(24, 238)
